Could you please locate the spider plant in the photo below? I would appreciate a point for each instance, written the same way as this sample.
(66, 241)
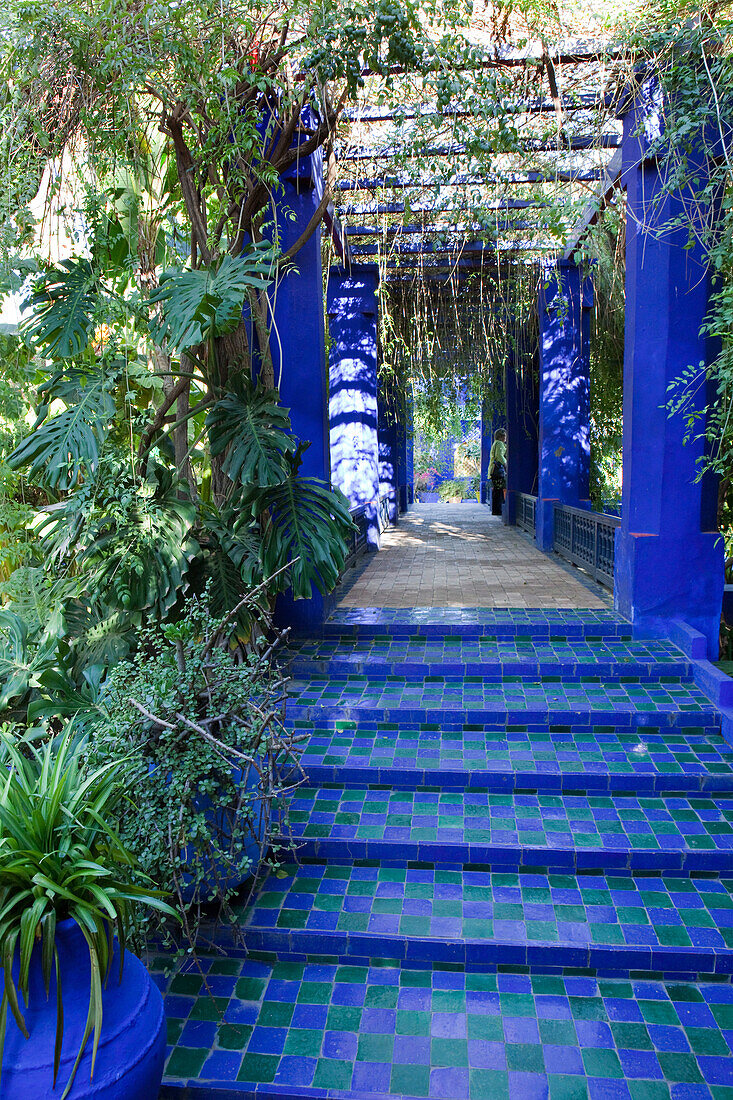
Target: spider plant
(60, 859)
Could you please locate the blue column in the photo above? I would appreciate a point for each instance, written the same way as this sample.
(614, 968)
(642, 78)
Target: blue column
(352, 322)
(522, 405)
(564, 419)
(405, 455)
(669, 557)
(298, 348)
(388, 434)
(298, 344)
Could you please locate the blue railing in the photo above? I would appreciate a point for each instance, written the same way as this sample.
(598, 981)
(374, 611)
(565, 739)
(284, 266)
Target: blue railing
(358, 537)
(526, 512)
(586, 539)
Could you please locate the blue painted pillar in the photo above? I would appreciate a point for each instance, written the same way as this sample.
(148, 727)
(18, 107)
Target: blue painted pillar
(669, 557)
(298, 343)
(388, 435)
(564, 404)
(522, 404)
(352, 322)
(298, 349)
(405, 456)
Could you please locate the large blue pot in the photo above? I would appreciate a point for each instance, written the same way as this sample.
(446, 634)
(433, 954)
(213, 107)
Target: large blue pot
(226, 877)
(131, 1051)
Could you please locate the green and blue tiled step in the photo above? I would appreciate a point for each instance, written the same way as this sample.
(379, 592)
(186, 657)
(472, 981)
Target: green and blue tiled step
(515, 866)
(318, 1029)
(480, 918)
(491, 657)
(510, 702)
(616, 757)
(572, 832)
(357, 623)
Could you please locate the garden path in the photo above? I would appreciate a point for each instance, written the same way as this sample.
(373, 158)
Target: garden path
(443, 555)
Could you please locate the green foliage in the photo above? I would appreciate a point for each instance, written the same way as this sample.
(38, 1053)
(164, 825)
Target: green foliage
(54, 647)
(238, 537)
(307, 526)
(605, 248)
(21, 663)
(447, 490)
(64, 303)
(61, 448)
(200, 305)
(252, 428)
(210, 762)
(139, 549)
(60, 858)
(97, 635)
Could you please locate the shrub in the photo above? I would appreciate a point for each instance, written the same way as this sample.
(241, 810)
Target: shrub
(199, 712)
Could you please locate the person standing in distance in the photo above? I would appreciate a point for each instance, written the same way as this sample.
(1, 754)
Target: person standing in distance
(497, 471)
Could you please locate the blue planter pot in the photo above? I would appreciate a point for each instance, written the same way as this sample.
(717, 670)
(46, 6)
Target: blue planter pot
(227, 878)
(131, 1051)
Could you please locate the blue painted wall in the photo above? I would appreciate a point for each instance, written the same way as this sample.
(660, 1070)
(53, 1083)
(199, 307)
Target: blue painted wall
(353, 418)
(564, 402)
(522, 406)
(669, 559)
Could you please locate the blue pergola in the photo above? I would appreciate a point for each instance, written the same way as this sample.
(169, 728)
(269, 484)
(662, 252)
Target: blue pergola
(668, 559)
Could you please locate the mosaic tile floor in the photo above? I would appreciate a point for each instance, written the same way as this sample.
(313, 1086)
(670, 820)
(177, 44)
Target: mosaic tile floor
(448, 913)
(513, 700)
(395, 622)
(514, 876)
(295, 1029)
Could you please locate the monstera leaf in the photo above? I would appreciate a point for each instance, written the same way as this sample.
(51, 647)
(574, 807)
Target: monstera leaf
(97, 635)
(308, 522)
(251, 426)
(61, 447)
(64, 303)
(21, 661)
(139, 559)
(196, 306)
(239, 538)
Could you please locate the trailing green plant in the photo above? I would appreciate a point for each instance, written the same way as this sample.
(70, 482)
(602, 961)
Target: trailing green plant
(61, 857)
(198, 715)
(687, 50)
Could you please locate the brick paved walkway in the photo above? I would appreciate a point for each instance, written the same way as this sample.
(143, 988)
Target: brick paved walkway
(444, 555)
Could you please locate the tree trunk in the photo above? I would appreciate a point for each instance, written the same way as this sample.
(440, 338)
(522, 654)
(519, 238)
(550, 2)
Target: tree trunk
(260, 309)
(180, 433)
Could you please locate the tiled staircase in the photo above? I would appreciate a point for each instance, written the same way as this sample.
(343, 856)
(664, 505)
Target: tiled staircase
(515, 876)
